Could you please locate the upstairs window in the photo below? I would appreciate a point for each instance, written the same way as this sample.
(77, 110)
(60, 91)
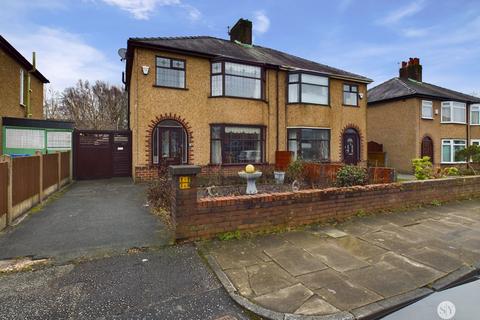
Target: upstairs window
(453, 112)
(236, 80)
(307, 88)
(350, 95)
(427, 109)
(22, 87)
(475, 114)
(170, 73)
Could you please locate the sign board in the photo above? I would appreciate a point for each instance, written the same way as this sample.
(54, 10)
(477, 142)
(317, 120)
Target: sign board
(184, 182)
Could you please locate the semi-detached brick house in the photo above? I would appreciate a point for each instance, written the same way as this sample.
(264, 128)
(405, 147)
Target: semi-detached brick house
(210, 102)
(412, 119)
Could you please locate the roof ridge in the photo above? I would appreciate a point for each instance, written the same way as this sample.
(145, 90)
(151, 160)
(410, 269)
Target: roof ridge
(413, 91)
(172, 38)
(436, 87)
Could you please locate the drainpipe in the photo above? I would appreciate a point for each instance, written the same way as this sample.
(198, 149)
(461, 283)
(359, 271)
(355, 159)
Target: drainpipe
(277, 107)
(29, 88)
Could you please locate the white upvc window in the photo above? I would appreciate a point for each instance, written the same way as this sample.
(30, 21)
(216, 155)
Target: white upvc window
(454, 112)
(475, 142)
(475, 114)
(427, 109)
(450, 147)
(22, 87)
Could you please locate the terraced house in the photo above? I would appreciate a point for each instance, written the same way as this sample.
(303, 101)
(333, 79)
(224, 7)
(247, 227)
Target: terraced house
(413, 118)
(215, 102)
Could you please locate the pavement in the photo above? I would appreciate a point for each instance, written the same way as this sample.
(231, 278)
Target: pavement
(354, 269)
(91, 218)
(172, 283)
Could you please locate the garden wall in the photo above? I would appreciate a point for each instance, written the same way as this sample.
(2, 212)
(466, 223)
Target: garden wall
(205, 218)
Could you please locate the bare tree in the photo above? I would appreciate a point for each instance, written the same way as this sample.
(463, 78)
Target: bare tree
(98, 106)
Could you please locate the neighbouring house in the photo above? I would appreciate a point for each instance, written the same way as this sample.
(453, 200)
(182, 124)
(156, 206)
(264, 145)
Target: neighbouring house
(225, 103)
(412, 119)
(22, 130)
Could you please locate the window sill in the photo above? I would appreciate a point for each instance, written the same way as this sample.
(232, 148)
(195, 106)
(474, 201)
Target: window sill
(350, 105)
(475, 124)
(237, 164)
(308, 104)
(451, 122)
(460, 162)
(166, 87)
(425, 118)
(242, 98)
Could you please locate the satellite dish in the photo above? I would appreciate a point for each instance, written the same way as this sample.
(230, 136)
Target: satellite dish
(122, 52)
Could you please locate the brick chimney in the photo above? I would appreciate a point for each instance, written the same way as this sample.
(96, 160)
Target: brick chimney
(411, 69)
(241, 31)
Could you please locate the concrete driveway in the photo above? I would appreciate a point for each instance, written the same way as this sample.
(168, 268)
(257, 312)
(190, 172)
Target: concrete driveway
(92, 218)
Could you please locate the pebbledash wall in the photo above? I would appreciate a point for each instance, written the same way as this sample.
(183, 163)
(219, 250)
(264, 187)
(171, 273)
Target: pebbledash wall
(197, 219)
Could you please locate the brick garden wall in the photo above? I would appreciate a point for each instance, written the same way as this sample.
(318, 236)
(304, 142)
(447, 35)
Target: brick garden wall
(205, 218)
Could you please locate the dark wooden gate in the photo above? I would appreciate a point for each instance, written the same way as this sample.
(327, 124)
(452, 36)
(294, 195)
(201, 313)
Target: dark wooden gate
(100, 154)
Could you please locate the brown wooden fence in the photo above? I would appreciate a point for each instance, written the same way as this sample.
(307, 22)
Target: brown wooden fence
(25, 178)
(50, 170)
(65, 165)
(3, 189)
(29, 181)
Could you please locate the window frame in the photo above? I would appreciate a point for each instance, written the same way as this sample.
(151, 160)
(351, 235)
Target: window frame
(476, 106)
(171, 68)
(452, 107)
(452, 154)
(222, 140)
(22, 87)
(299, 91)
(431, 108)
(299, 139)
(350, 87)
(223, 74)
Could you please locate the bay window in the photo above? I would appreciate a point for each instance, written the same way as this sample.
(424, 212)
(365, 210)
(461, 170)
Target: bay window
(170, 72)
(309, 144)
(453, 112)
(475, 114)
(308, 88)
(237, 144)
(427, 109)
(350, 95)
(450, 147)
(236, 80)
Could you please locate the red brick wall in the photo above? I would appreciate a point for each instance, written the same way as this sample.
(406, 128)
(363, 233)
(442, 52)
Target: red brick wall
(205, 218)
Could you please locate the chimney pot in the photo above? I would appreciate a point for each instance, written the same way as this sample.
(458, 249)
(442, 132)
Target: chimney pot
(242, 31)
(411, 69)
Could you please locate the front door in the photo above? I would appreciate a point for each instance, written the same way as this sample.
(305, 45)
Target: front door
(351, 147)
(171, 145)
(427, 148)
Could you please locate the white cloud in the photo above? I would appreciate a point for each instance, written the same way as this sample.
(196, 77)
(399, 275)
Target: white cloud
(143, 9)
(64, 57)
(404, 12)
(415, 32)
(261, 23)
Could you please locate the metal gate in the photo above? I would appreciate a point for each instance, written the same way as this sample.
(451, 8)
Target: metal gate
(100, 154)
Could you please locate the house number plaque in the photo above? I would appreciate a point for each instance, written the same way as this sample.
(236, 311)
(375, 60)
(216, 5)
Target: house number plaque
(184, 182)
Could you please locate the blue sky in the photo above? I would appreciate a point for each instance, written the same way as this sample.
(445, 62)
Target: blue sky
(79, 39)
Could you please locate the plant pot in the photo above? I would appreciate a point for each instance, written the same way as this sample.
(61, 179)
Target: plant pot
(279, 177)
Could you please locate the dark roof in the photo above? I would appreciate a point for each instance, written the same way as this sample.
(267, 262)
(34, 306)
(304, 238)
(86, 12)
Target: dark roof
(221, 48)
(12, 52)
(38, 123)
(399, 88)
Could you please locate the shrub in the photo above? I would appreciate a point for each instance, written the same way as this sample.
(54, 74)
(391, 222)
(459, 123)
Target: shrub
(296, 171)
(452, 171)
(159, 193)
(351, 176)
(423, 168)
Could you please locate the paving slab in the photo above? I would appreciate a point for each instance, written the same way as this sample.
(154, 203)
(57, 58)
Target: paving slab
(239, 278)
(304, 239)
(236, 254)
(359, 248)
(316, 306)
(287, 299)
(439, 260)
(296, 261)
(267, 277)
(337, 258)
